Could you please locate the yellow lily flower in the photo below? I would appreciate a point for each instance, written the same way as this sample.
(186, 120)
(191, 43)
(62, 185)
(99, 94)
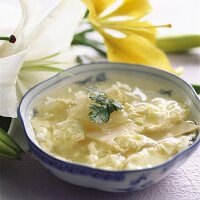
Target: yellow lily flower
(127, 38)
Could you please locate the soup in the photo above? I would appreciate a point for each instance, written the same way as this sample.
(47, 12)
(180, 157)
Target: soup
(125, 127)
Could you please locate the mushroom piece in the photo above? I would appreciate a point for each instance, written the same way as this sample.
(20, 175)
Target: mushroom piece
(183, 128)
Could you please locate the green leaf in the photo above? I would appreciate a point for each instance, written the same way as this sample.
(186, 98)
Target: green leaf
(100, 112)
(8, 147)
(79, 60)
(178, 43)
(196, 88)
(114, 106)
(7, 152)
(97, 95)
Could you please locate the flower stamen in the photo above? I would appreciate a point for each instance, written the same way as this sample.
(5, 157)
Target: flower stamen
(160, 26)
(116, 26)
(11, 39)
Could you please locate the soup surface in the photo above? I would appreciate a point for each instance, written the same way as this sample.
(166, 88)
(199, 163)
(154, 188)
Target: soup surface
(149, 129)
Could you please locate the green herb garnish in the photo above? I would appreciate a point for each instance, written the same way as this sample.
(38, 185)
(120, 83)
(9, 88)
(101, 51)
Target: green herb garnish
(103, 107)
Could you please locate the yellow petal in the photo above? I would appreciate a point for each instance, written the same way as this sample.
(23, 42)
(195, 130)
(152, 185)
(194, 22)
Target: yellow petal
(130, 27)
(136, 49)
(132, 8)
(96, 7)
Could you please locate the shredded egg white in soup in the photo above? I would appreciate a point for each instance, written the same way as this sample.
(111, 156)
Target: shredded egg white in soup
(148, 130)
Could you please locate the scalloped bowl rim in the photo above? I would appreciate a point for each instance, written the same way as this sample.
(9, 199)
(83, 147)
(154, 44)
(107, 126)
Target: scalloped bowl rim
(65, 162)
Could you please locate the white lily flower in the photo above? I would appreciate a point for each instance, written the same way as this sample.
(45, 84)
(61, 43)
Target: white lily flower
(43, 39)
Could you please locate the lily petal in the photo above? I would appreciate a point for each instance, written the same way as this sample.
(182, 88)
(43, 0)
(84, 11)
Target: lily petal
(9, 69)
(17, 133)
(55, 30)
(8, 23)
(116, 8)
(28, 77)
(96, 7)
(7, 48)
(136, 49)
(34, 13)
(50, 32)
(132, 8)
(127, 38)
(144, 29)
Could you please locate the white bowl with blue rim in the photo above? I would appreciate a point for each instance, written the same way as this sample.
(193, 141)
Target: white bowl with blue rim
(107, 180)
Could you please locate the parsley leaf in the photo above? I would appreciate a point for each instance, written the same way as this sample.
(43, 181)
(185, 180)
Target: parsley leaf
(100, 112)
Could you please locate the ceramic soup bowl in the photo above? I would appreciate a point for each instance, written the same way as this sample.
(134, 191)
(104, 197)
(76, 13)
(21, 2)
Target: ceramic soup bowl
(108, 180)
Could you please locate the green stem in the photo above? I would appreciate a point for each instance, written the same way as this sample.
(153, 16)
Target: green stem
(10, 39)
(42, 68)
(43, 58)
(174, 44)
(85, 20)
(84, 32)
(45, 63)
(82, 40)
(5, 38)
(86, 14)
